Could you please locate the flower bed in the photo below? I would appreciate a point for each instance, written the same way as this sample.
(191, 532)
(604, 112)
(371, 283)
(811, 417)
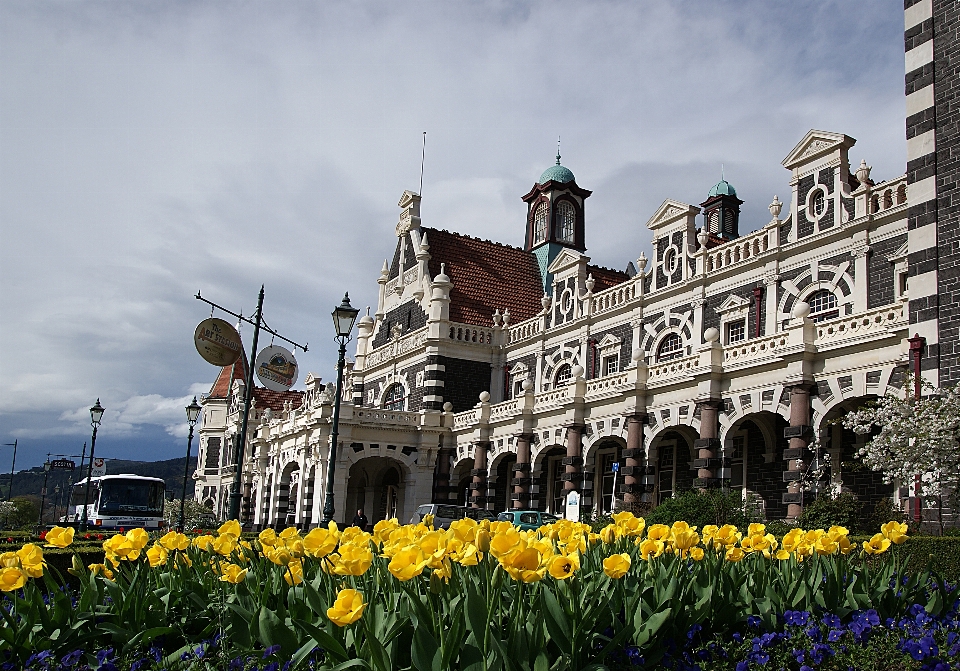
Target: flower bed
(477, 596)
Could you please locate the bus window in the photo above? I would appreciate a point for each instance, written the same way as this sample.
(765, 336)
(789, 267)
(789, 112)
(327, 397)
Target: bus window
(79, 490)
(130, 497)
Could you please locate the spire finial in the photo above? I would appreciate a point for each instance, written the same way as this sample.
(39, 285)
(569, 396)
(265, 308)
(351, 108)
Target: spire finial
(721, 172)
(558, 150)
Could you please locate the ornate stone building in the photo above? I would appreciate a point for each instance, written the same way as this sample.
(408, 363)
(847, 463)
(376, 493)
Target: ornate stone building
(505, 377)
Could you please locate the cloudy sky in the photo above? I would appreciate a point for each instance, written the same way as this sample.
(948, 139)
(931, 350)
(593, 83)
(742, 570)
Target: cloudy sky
(151, 149)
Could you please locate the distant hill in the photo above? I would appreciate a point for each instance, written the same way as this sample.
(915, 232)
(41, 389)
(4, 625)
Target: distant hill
(30, 482)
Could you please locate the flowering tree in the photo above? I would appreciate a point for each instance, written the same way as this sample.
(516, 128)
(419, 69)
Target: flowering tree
(195, 516)
(916, 437)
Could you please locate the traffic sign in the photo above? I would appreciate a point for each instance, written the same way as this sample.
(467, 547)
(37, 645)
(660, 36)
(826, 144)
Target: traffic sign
(615, 466)
(62, 465)
(99, 468)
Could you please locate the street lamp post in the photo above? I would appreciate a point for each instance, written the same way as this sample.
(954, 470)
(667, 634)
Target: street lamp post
(96, 414)
(12, 466)
(343, 318)
(43, 494)
(56, 503)
(193, 413)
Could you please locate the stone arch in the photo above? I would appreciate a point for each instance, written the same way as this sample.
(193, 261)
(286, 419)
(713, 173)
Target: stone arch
(804, 284)
(679, 323)
(671, 452)
(774, 400)
(753, 448)
(289, 477)
(377, 485)
(500, 476)
(565, 355)
(598, 476)
(546, 461)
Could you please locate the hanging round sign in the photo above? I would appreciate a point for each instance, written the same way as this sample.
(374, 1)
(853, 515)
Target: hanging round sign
(276, 368)
(218, 342)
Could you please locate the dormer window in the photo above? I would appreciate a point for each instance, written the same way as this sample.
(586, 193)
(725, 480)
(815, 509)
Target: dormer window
(566, 218)
(395, 398)
(540, 216)
(563, 376)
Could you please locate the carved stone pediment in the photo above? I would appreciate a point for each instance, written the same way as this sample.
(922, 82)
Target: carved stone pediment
(671, 211)
(815, 144)
(733, 303)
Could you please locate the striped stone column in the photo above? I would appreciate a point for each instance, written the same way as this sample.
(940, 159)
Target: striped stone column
(922, 178)
(633, 468)
(521, 480)
(478, 494)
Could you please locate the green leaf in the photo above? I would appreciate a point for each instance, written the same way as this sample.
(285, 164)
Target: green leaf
(324, 639)
(471, 658)
(426, 651)
(144, 637)
(273, 632)
(646, 630)
(556, 620)
(542, 663)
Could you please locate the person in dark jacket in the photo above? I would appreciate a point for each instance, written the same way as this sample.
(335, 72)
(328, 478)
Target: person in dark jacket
(360, 520)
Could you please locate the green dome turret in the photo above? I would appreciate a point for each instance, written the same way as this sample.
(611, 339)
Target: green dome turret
(722, 188)
(556, 173)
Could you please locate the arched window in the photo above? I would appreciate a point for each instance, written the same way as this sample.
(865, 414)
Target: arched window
(540, 216)
(823, 305)
(563, 376)
(395, 398)
(670, 347)
(901, 194)
(566, 218)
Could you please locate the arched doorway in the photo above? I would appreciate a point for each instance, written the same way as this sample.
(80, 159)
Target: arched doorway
(753, 452)
(503, 472)
(375, 485)
(601, 456)
(284, 507)
(674, 454)
(461, 478)
(548, 469)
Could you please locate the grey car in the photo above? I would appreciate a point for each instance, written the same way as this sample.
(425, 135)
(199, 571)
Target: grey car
(444, 514)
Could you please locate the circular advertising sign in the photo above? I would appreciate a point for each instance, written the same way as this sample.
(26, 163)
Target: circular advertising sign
(218, 342)
(276, 368)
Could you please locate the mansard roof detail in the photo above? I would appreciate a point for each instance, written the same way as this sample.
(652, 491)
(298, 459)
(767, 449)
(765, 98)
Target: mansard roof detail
(487, 276)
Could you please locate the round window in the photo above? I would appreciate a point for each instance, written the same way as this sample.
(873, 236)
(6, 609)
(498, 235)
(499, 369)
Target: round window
(670, 261)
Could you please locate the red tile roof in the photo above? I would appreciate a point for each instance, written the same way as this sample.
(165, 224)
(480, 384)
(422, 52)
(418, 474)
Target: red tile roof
(486, 276)
(265, 398)
(606, 277)
(274, 400)
(227, 376)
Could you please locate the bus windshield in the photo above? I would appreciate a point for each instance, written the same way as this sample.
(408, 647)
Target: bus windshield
(125, 497)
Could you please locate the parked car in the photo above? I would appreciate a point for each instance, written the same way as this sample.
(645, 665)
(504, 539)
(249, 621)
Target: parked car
(527, 519)
(444, 514)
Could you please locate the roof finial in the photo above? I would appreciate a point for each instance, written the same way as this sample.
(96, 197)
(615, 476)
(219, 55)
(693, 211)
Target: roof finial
(721, 172)
(558, 150)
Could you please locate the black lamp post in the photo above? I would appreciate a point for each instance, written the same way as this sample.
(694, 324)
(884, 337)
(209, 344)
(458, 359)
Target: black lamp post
(43, 494)
(343, 318)
(96, 414)
(193, 412)
(12, 466)
(56, 503)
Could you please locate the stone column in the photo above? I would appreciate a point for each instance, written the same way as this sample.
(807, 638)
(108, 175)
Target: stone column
(441, 482)
(573, 462)
(479, 492)
(634, 469)
(708, 445)
(799, 433)
(521, 480)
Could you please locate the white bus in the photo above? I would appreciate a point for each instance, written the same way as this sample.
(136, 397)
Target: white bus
(115, 501)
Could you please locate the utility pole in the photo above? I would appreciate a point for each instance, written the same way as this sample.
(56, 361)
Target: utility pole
(257, 322)
(12, 466)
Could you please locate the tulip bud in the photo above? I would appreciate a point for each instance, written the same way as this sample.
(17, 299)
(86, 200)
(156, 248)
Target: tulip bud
(483, 539)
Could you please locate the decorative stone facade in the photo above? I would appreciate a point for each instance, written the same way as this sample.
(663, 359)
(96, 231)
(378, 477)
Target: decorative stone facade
(507, 377)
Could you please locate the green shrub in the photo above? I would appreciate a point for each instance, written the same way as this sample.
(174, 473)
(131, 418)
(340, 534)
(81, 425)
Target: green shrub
(700, 508)
(824, 512)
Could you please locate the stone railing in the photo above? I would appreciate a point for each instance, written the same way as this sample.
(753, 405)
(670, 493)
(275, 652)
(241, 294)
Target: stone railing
(865, 323)
(395, 348)
(888, 194)
(505, 409)
(551, 397)
(755, 348)
(473, 335)
(604, 384)
(377, 416)
(465, 418)
(525, 329)
(737, 251)
(673, 368)
(614, 297)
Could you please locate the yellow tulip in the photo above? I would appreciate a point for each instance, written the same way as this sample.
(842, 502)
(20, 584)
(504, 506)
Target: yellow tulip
(650, 549)
(59, 537)
(876, 545)
(734, 554)
(174, 541)
(294, 573)
(352, 560)
(499, 527)
(225, 544)
(408, 563)
(696, 553)
(232, 573)
(383, 529)
(482, 539)
(157, 556)
(627, 524)
(31, 560)
(616, 566)
(756, 528)
(658, 532)
(319, 542)
(563, 566)
(727, 536)
(12, 579)
(504, 543)
(101, 569)
(782, 555)
(826, 545)
(347, 609)
(231, 527)
(896, 532)
(709, 533)
(792, 539)
(524, 565)
(684, 540)
(204, 542)
(268, 537)
(138, 538)
(279, 555)
(9, 560)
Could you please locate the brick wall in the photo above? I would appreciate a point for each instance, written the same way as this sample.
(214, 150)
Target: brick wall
(464, 380)
(880, 271)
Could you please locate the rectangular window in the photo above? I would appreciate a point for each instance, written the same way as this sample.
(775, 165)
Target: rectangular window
(736, 331)
(606, 482)
(518, 389)
(904, 279)
(611, 364)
